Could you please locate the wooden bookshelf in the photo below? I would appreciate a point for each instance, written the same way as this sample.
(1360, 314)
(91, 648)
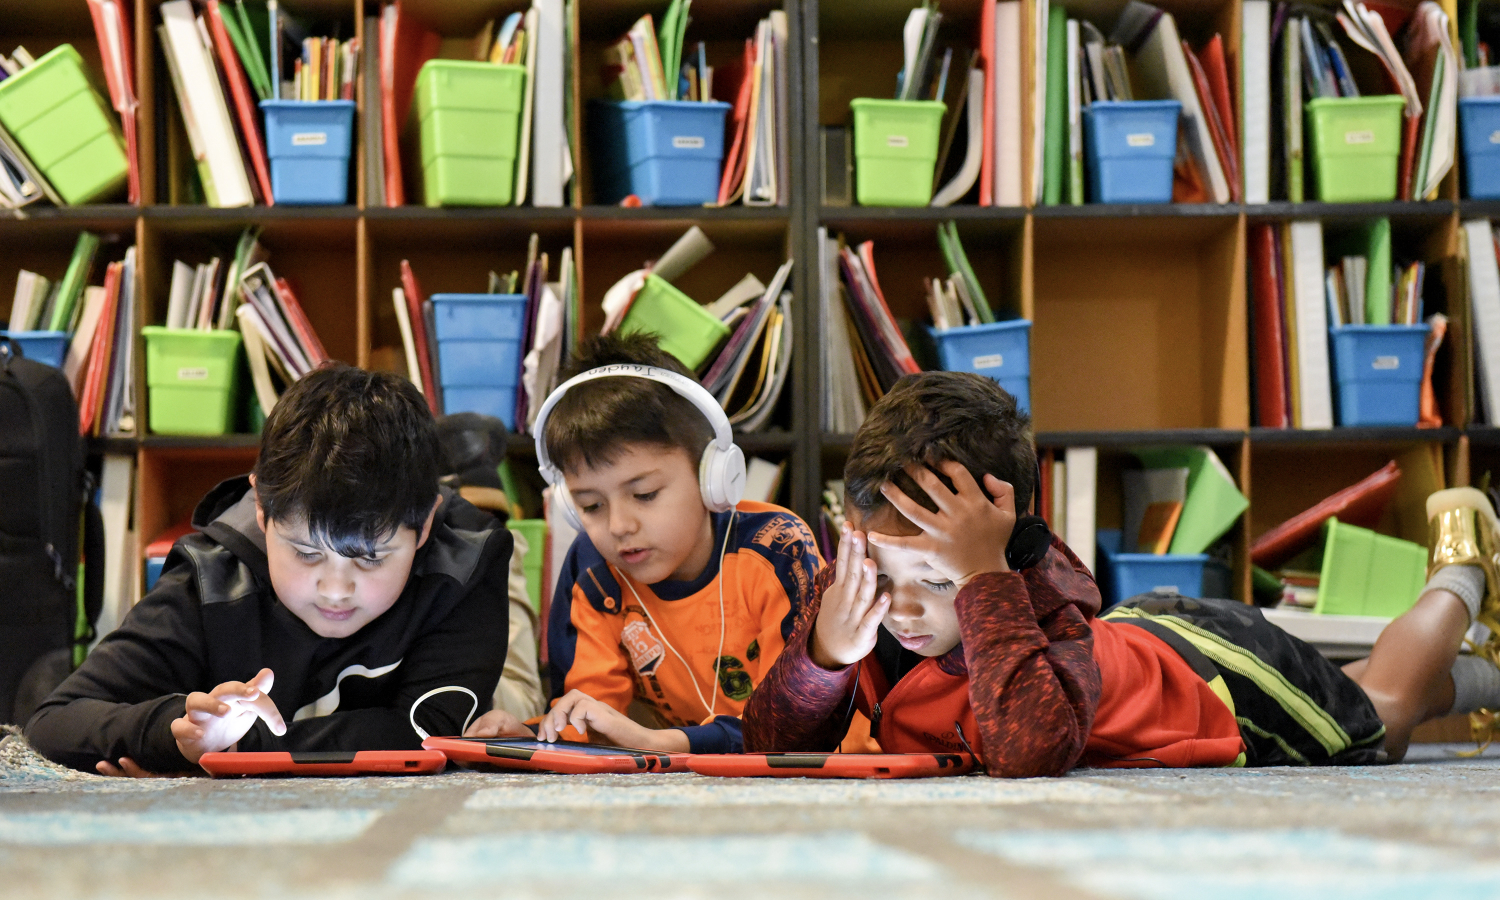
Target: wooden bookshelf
(1141, 330)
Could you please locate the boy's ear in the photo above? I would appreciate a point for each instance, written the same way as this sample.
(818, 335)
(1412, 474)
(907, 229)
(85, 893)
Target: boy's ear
(260, 514)
(426, 526)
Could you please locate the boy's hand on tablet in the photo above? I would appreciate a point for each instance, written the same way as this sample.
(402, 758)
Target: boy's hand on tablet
(217, 720)
(850, 614)
(967, 535)
(606, 724)
(498, 723)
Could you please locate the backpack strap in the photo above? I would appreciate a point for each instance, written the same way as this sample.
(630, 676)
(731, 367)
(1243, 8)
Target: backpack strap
(93, 573)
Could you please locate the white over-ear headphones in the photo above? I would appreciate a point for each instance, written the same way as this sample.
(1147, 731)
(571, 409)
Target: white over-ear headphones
(721, 471)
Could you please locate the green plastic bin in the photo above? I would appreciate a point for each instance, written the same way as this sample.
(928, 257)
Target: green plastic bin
(65, 127)
(1368, 574)
(535, 533)
(470, 115)
(193, 378)
(687, 330)
(895, 150)
(1356, 143)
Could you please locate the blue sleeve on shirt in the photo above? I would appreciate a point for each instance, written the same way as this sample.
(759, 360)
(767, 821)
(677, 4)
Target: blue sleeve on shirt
(722, 735)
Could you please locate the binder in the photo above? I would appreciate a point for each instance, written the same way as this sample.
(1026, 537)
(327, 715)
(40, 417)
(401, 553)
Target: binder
(204, 112)
(1269, 334)
(1359, 504)
(1315, 393)
(1255, 99)
(405, 45)
(549, 166)
(244, 104)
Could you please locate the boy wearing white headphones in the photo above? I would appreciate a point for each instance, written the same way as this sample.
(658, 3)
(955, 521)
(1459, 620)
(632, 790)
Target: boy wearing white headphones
(677, 594)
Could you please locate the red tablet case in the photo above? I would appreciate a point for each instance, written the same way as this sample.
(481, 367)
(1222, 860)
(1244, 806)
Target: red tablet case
(569, 758)
(833, 765)
(324, 763)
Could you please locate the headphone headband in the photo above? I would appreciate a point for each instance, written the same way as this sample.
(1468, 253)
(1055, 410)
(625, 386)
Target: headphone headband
(684, 387)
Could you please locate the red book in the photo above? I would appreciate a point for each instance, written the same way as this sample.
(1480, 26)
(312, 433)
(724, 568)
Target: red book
(1411, 126)
(244, 104)
(1227, 163)
(987, 57)
(115, 52)
(90, 397)
(405, 46)
(1217, 71)
(1359, 504)
(739, 126)
(903, 353)
(1270, 368)
(303, 329)
(414, 298)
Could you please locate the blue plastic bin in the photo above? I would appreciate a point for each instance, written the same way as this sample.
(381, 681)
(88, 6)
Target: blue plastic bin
(50, 347)
(1130, 147)
(1124, 575)
(308, 144)
(479, 352)
(154, 566)
(1379, 372)
(1000, 350)
(666, 152)
(1479, 118)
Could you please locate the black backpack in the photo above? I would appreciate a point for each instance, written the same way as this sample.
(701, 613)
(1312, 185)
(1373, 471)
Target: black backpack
(45, 502)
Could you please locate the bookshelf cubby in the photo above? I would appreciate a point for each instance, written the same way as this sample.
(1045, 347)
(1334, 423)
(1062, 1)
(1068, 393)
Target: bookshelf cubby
(1142, 322)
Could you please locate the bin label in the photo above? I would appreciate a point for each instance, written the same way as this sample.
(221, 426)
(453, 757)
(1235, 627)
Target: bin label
(1495, 137)
(309, 139)
(989, 361)
(1144, 139)
(1165, 589)
(192, 373)
(1359, 137)
(896, 140)
(1386, 363)
(687, 142)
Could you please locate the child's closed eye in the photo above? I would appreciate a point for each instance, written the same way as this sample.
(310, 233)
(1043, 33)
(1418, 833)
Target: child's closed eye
(647, 497)
(308, 557)
(938, 587)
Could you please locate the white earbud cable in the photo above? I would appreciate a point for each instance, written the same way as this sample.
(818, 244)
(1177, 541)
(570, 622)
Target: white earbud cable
(713, 701)
(452, 687)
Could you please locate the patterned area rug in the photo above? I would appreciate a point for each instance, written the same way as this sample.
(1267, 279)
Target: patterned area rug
(1427, 827)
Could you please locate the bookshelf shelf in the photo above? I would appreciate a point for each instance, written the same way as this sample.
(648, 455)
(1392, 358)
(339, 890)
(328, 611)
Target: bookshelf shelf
(1213, 437)
(1405, 209)
(1138, 211)
(1351, 436)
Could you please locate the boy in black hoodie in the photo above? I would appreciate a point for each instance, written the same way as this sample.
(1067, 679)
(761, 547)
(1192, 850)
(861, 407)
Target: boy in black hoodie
(336, 599)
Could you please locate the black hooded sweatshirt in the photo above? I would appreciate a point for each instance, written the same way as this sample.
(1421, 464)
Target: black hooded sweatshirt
(213, 617)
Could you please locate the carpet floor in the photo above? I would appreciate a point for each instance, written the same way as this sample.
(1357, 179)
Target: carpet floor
(1428, 827)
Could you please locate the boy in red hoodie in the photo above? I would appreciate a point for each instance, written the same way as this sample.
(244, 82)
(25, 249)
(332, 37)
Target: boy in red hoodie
(954, 626)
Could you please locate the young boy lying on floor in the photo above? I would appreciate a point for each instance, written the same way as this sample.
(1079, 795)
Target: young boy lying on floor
(955, 626)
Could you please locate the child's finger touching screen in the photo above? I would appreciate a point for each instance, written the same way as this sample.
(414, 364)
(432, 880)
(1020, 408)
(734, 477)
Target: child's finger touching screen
(215, 721)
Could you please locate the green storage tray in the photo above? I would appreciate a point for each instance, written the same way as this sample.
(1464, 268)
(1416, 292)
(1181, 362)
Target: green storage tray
(193, 378)
(895, 150)
(1368, 574)
(65, 127)
(687, 330)
(470, 124)
(535, 533)
(1356, 143)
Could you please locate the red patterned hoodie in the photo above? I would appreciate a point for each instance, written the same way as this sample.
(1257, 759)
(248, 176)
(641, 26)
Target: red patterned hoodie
(1036, 686)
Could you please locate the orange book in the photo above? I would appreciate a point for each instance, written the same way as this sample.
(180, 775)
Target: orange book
(987, 57)
(414, 298)
(1157, 527)
(405, 45)
(244, 105)
(89, 400)
(739, 126)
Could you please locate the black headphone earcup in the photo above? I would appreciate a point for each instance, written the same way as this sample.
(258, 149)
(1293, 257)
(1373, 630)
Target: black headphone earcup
(1029, 541)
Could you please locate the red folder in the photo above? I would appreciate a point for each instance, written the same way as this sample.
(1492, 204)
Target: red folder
(244, 103)
(119, 75)
(303, 329)
(1270, 337)
(739, 127)
(405, 46)
(1220, 137)
(103, 345)
(1359, 504)
(1216, 70)
(414, 300)
(987, 55)
(903, 357)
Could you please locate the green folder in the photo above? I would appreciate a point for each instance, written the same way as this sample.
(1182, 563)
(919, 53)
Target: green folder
(1377, 241)
(669, 38)
(64, 312)
(1213, 501)
(958, 264)
(248, 51)
(1055, 149)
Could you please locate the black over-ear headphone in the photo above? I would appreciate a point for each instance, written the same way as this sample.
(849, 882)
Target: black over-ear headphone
(1030, 537)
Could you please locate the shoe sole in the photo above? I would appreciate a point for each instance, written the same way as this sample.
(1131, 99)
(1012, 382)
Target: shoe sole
(1462, 498)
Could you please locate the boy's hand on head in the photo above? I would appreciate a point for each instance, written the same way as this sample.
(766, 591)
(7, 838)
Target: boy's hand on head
(217, 720)
(606, 725)
(967, 535)
(850, 615)
(498, 723)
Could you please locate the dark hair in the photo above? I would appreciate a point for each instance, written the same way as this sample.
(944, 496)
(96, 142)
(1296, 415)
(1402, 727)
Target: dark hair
(595, 420)
(353, 453)
(934, 417)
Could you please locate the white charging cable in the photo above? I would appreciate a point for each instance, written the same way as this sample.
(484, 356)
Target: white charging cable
(711, 704)
(442, 690)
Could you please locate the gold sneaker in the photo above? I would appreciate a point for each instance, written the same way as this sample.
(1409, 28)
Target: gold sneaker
(1462, 530)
